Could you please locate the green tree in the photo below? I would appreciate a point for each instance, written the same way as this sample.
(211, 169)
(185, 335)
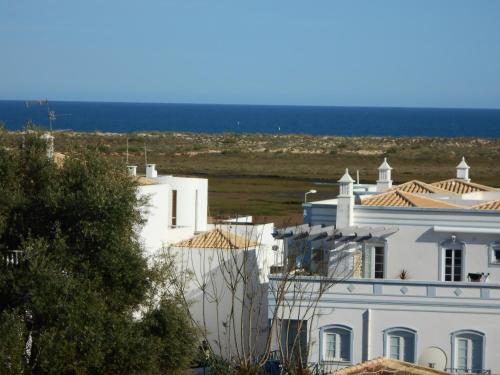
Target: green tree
(73, 276)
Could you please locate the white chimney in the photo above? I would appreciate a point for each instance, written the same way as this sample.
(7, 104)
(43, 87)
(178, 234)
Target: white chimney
(49, 139)
(384, 181)
(463, 170)
(151, 171)
(132, 170)
(345, 202)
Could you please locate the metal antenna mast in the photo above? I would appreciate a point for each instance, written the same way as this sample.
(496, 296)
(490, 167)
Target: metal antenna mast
(127, 151)
(51, 115)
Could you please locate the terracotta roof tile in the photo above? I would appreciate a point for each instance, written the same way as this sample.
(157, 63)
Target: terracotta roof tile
(458, 186)
(491, 205)
(426, 202)
(391, 198)
(218, 239)
(383, 366)
(418, 187)
(396, 198)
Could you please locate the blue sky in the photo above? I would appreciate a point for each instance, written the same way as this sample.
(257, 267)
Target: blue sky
(428, 53)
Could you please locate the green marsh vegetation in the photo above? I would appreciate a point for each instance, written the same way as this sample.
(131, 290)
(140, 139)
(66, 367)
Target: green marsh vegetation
(266, 175)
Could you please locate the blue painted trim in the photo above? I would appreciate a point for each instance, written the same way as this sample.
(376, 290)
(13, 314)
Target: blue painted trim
(340, 327)
(366, 303)
(449, 298)
(431, 291)
(472, 332)
(485, 293)
(410, 331)
(409, 209)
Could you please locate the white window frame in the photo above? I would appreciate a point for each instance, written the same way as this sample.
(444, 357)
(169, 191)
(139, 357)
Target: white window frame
(341, 332)
(452, 244)
(403, 334)
(492, 259)
(467, 335)
(373, 245)
(401, 347)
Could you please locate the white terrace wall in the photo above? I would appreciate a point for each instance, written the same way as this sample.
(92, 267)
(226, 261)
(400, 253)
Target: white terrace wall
(212, 301)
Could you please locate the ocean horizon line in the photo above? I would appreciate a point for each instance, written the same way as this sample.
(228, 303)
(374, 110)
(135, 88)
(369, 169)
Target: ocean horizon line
(125, 117)
(255, 104)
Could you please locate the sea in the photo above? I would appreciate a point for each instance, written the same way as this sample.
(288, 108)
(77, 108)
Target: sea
(269, 119)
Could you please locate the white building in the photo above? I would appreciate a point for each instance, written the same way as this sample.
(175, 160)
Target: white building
(414, 273)
(176, 210)
(207, 257)
(227, 285)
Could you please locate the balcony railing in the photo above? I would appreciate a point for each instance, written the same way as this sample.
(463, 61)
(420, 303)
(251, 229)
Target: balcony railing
(13, 258)
(467, 371)
(414, 292)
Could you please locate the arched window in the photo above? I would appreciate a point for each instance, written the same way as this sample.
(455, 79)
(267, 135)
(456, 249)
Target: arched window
(336, 343)
(467, 349)
(400, 343)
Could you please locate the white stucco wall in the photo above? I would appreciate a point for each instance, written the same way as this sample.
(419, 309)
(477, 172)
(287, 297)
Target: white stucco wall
(415, 247)
(434, 316)
(212, 303)
(192, 200)
(192, 208)
(433, 308)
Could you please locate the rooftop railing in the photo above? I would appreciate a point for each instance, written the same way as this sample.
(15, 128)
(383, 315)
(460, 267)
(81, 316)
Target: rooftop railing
(13, 258)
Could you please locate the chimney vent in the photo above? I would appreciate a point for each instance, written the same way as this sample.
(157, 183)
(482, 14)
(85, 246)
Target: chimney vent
(384, 181)
(463, 170)
(151, 171)
(132, 170)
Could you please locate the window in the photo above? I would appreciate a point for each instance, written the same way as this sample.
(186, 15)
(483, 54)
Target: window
(400, 344)
(374, 261)
(495, 253)
(453, 265)
(336, 343)
(467, 351)
(452, 253)
(174, 209)
(379, 262)
(294, 338)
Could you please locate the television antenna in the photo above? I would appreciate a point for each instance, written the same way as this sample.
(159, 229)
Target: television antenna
(127, 151)
(51, 115)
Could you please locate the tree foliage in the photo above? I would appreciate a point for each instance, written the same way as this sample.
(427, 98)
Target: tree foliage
(70, 303)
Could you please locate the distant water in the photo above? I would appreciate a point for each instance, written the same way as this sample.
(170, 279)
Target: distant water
(353, 121)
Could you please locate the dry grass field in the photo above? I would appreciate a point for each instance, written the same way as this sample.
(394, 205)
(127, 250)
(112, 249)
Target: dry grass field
(267, 175)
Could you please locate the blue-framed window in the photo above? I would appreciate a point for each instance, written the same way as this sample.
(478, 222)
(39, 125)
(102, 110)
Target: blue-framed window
(468, 349)
(400, 343)
(336, 343)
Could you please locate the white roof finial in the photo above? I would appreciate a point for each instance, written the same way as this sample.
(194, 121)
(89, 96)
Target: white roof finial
(463, 164)
(346, 177)
(385, 165)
